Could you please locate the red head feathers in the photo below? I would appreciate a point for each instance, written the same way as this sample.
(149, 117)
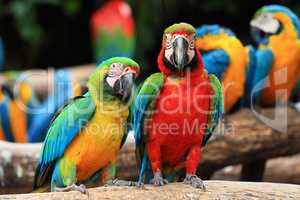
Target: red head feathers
(178, 53)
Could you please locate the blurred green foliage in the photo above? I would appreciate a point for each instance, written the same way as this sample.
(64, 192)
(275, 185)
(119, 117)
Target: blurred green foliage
(24, 14)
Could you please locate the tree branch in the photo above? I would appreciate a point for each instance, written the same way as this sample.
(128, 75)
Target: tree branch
(215, 190)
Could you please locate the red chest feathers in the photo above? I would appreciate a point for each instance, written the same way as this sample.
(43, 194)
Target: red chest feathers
(180, 115)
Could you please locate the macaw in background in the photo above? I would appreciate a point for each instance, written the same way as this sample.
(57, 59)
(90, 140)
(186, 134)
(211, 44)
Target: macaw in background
(27, 96)
(64, 88)
(169, 104)
(224, 56)
(113, 30)
(14, 117)
(86, 135)
(275, 64)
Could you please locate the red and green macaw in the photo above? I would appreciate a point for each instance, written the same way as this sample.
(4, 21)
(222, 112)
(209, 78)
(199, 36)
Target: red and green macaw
(275, 63)
(86, 135)
(176, 110)
(113, 30)
(225, 56)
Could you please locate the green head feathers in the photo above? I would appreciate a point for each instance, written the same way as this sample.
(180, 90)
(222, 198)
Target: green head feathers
(97, 85)
(180, 27)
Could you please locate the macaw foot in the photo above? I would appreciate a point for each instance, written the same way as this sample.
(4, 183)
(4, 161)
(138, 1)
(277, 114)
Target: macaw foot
(139, 185)
(117, 182)
(81, 188)
(194, 181)
(158, 179)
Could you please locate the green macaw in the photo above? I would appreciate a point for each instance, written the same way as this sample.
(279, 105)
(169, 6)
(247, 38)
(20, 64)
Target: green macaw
(86, 135)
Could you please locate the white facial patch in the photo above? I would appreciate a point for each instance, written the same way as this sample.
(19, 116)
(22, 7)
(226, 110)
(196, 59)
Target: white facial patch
(266, 22)
(169, 50)
(169, 47)
(114, 73)
(191, 50)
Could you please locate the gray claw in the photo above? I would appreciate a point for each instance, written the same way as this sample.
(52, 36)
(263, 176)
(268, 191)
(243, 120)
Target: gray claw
(117, 182)
(81, 188)
(139, 185)
(158, 179)
(194, 181)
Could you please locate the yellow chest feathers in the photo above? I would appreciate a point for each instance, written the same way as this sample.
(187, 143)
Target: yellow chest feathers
(98, 143)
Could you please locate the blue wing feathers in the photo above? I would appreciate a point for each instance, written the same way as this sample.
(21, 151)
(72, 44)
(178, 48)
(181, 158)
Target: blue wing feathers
(65, 127)
(258, 68)
(263, 64)
(216, 62)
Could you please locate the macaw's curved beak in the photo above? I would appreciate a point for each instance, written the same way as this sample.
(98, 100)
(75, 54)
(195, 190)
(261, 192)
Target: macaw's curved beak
(180, 55)
(123, 86)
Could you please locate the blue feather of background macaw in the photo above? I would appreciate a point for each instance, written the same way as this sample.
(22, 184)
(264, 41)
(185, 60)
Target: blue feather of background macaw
(260, 62)
(213, 29)
(216, 62)
(4, 116)
(61, 93)
(1, 54)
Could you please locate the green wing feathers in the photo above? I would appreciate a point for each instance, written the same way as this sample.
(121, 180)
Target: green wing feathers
(216, 106)
(143, 104)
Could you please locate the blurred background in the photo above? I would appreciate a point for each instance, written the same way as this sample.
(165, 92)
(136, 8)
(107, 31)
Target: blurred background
(43, 33)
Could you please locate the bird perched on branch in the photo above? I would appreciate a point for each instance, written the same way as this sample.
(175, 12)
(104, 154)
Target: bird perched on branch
(86, 135)
(224, 56)
(176, 111)
(275, 67)
(113, 30)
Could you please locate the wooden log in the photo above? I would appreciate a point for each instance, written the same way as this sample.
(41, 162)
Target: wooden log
(17, 166)
(215, 190)
(246, 139)
(281, 170)
(249, 139)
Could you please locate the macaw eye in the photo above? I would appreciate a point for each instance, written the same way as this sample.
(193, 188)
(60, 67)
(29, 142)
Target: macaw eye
(192, 41)
(192, 44)
(115, 69)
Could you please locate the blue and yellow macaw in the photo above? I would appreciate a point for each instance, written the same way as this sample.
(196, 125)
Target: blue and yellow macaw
(64, 88)
(86, 135)
(275, 64)
(224, 56)
(14, 107)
